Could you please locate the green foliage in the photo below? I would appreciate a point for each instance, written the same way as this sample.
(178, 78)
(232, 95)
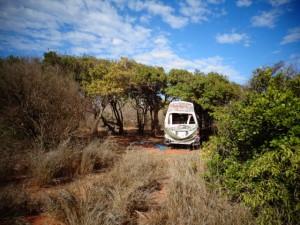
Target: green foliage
(257, 155)
(260, 80)
(217, 91)
(108, 80)
(208, 91)
(180, 84)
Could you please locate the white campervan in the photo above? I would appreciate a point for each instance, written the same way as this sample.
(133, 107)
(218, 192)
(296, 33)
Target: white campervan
(181, 125)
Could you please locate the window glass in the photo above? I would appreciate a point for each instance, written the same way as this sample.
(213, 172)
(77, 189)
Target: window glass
(192, 120)
(180, 118)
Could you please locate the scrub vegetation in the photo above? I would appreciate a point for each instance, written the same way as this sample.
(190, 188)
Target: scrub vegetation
(68, 150)
(256, 154)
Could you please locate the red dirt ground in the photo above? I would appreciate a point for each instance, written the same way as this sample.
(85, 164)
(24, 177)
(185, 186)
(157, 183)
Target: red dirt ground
(149, 143)
(42, 220)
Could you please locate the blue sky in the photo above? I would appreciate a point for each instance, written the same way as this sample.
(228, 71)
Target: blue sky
(229, 37)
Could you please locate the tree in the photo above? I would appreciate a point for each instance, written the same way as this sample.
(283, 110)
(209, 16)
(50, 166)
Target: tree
(110, 85)
(107, 83)
(147, 88)
(138, 97)
(257, 154)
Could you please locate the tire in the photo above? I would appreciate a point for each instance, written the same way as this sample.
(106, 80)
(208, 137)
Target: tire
(194, 146)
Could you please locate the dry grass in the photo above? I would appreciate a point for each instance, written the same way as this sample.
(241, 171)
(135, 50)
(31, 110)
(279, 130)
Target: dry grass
(124, 194)
(126, 191)
(64, 163)
(190, 202)
(59, 163)
(114, 200)
(79, 206)
(97, 156)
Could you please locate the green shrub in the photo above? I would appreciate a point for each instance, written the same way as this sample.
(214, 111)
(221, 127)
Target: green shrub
(257, 155)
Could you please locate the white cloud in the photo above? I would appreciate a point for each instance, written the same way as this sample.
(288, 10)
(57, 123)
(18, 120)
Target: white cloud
(163, 55)
(292, 36)
(279, 2)
(196, 10)
(96, 28)
(145, 18)
(215, 1)
(265, 19)
(243, 3)
(232, 38)
(168, 59)
(159, 9)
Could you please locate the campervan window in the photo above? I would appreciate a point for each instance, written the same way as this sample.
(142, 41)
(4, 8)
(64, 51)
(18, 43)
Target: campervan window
(181, 118)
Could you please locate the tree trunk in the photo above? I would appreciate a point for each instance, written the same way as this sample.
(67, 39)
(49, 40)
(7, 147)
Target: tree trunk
(94, 130)
(98, 116)
(154, 121)
(98, 106)
(141, 119)
(140, 124)
(108, 125)
(117, 111)
(141, 109)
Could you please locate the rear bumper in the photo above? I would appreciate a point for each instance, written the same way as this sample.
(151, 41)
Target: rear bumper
(192, 141)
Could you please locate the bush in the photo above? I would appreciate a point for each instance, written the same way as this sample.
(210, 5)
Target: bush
(57, 165)
(257, 155)
(39, 102)
(97, 156)
(64, 163)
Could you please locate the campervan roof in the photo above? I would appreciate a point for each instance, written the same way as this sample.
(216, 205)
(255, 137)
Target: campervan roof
(181, 106)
